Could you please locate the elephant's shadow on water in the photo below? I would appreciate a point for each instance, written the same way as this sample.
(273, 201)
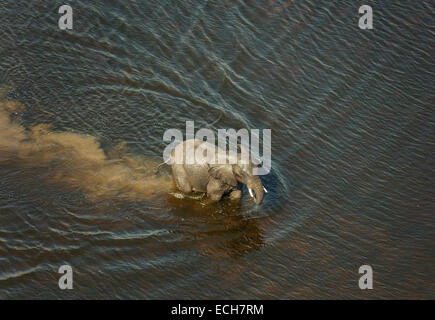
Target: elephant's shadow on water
(225, 228)
(219, 229)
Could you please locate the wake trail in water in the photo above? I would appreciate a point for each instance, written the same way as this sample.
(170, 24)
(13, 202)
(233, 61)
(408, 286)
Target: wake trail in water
(77, 160)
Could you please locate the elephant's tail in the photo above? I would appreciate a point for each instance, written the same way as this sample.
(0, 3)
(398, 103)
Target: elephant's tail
(157, 168)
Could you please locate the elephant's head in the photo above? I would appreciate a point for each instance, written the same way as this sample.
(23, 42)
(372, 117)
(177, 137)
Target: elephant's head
(232, 174)
(243, 174)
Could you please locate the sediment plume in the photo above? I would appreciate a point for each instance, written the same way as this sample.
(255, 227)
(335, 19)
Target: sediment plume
(77, 160)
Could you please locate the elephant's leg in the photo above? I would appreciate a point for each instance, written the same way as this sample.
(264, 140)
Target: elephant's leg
(181, 178)
(215, 190)
(236, 194)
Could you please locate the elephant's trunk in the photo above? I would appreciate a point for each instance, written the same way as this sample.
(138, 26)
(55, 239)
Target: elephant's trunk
(254, 184)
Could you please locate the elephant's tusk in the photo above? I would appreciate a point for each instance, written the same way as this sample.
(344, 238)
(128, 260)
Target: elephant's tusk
(250, 192)
(265, 189)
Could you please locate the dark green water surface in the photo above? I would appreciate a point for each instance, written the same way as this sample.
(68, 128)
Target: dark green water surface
(352, 119)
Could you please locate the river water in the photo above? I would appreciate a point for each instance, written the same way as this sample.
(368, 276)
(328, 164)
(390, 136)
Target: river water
(81, 126)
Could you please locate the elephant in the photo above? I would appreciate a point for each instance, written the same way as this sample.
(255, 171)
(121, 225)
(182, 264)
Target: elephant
(215, 179)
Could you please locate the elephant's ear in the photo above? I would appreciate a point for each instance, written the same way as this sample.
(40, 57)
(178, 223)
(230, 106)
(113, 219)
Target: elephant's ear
(223, 173)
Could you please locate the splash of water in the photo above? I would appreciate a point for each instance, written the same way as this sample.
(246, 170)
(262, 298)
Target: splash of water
(77, 160)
